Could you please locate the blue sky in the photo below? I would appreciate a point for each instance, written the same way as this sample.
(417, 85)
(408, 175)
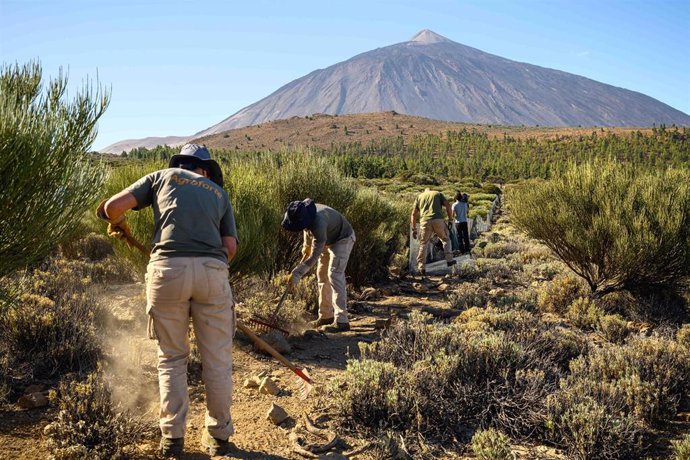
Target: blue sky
(177, 67)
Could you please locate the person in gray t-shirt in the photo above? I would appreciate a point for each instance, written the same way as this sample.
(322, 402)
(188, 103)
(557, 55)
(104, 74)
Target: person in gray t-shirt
(328, 240)
(461, 209)
(194, 239)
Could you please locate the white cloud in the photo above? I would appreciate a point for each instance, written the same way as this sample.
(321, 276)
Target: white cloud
(582, 54)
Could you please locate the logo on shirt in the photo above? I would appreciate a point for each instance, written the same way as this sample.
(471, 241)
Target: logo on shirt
(197, 183)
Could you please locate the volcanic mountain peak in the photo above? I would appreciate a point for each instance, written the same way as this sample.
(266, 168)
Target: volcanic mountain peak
(427, 36)
(433, 77)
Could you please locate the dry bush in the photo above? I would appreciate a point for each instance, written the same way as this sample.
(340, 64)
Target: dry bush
(261, 299)
(530, 253)
(491, 444)
(468, 295)
(683, 335)
(90, 426)
(499, 271)
(558, 344)
(91, 247)
(501, 249)
(647, 375)
(584, 313)
(437, 379)
(557, 295)
(546, 271)
(589, 429)
(44, 337)
(614, 328)
(681, 448)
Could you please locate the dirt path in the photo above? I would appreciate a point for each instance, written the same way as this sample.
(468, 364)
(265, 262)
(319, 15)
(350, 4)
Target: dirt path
(131, 364)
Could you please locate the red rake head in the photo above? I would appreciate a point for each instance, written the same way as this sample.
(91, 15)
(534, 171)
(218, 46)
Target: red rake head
(305, 383)
(262, 326)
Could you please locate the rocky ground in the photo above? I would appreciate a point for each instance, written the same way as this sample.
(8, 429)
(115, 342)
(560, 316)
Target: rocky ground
(131, 365)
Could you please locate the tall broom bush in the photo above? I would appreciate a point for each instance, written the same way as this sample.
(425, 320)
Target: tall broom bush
(47, 176)
(260, 189)
(616, 226)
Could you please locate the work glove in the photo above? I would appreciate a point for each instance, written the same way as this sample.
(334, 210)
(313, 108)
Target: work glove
(120, 230)
(293, 280)
(117, 228)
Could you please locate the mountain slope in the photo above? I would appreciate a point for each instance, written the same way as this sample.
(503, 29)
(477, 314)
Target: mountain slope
(433, 77)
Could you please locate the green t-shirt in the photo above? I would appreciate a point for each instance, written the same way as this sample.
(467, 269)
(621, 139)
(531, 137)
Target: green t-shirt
(191, 213)
(430, 205)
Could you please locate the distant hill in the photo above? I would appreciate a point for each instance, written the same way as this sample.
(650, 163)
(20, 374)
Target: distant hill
(433, 77)
(148, 142)
(322, 130)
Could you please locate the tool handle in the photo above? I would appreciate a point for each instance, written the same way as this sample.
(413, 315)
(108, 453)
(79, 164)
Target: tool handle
(132, 242)
(272, 351)
(280, 304)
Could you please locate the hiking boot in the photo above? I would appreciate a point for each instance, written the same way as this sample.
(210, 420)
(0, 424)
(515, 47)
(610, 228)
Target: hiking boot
(422, 271)
(321, 322)
(450, 263)
(171, 447)
(337, 327)
(215, 446)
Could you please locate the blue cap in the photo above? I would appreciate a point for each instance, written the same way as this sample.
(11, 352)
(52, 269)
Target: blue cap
(299, 215)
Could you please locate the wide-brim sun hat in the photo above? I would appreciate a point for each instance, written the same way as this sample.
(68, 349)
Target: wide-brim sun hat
(299, 215)
(198, 153)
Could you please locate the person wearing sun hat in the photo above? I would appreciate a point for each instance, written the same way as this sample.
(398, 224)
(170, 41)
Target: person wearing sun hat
(194, 239)
(328, 241)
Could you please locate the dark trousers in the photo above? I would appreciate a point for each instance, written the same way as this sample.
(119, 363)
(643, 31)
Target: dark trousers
(463, 236)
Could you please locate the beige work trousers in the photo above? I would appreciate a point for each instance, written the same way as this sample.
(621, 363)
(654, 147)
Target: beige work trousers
(427, 229)
(330, 274)
(177, 288)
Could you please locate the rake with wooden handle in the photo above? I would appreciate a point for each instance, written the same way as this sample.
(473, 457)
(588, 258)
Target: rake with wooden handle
(305, 383)
(264, 325)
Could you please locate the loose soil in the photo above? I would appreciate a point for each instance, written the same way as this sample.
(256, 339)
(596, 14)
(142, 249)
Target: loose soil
(131, 364)
(132, 359)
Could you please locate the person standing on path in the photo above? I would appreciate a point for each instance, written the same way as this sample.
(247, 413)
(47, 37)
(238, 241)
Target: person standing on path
(461, 209)
(194, 239)
(328, 240)
(427, 207)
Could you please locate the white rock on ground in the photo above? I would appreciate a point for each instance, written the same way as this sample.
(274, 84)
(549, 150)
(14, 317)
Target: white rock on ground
(269, 387)
(276, 414)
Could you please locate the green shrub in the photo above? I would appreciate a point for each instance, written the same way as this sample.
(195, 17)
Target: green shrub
(141, 222)
(90, 425)
(602, 218)
(584, 313)
(491, 189)
(681, 448)
(260, 189)
(490, 444)
(47, 176)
